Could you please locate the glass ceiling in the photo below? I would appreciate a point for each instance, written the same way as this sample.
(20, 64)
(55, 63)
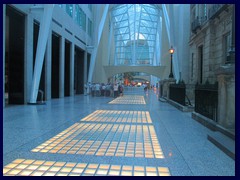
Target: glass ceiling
(135, 29)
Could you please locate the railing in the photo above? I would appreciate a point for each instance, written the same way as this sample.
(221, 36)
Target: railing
(177, 93)
(206, 101)
(197, 23)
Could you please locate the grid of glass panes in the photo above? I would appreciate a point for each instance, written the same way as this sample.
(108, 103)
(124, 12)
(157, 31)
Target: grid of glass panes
(89, 27)
(77, 15)
(80, 17)
(69, 9)
(135, 29)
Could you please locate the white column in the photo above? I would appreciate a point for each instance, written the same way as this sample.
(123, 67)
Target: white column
(48, 66)
(134, 40)
(28, 59)
(109, 43)
(72, 51)
(41, 47)
(61, 67)
(85, 70)
(4, 26)
(166, 18)
(94, 54)
(170, 33)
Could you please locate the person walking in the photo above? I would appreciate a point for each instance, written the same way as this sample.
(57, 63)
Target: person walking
(115, 90)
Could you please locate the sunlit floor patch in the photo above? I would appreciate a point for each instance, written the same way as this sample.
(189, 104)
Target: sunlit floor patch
(119, 116)
(128, 99)
(127, 140)
(30, 167)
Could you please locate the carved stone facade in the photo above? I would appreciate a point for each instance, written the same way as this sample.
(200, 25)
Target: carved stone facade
(209, 41)
(212, 55)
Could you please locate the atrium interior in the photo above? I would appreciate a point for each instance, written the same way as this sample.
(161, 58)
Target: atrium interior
(118, 89)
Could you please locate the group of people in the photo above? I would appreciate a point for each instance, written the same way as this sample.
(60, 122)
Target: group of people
(101, 89)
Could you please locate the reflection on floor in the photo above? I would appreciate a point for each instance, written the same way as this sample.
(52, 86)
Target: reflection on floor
(129, 99)
(119, 116)
(101, 133)
(30, 167)
(107, 139)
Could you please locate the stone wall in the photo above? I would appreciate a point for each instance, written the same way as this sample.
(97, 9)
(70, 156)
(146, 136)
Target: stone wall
(226, 96)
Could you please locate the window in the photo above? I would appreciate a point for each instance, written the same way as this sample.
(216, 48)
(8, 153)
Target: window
(80, 17)
(77, 15)
(135, 30)
(192, 65)
(69, 9)
(89, 27)
(83, 20)
(200, 64)
(226, 47)
(205, 10)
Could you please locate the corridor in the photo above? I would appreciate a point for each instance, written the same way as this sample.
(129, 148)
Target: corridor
(132, 135)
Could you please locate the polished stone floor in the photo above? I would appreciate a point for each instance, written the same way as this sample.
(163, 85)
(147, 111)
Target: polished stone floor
(132, 135)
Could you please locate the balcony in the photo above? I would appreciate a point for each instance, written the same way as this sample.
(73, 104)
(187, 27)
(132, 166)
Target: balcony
(197, 23)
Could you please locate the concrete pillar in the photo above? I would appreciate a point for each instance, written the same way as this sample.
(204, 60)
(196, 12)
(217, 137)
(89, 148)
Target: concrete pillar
(222, 98)
(41, 47)
(4, 23)
(230, 114)
(96, 44)
(72, 52)
(28, 59)
(48, 66)
(85, 71)
(61, 66)
(166, 84)
(109, 43)
(226, 96)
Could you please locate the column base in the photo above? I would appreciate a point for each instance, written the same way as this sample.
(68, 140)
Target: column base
(37, 103)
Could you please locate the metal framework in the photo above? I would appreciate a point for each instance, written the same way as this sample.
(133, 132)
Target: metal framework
(135, 32)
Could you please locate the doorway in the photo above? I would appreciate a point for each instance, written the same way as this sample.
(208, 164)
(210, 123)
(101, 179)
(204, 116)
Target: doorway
(14, 56)
(55, 65)
(79, 71)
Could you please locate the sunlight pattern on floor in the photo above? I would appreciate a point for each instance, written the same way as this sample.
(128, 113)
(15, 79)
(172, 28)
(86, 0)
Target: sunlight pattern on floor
(30, 167)
(119, 116)
(128, 99)
(105, 140)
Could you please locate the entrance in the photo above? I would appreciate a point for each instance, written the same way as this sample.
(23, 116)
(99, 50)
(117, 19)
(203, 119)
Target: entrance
(55, 65)
(79, 71)
(67, 69)
(14, 56)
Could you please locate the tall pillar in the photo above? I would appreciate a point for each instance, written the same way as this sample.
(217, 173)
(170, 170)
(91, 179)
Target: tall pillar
(61, 66)
(28, 62)
(41, 47)
(226, 96)
(48, 66)
(222, 99)
(4, 23)
(96, 44)
(85, 70)
(72, 51)
(166, 86)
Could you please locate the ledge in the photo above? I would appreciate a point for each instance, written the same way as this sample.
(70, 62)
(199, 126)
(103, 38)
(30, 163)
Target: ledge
(180, 107)
(212, 125)
(37, 103)
(223, 142)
